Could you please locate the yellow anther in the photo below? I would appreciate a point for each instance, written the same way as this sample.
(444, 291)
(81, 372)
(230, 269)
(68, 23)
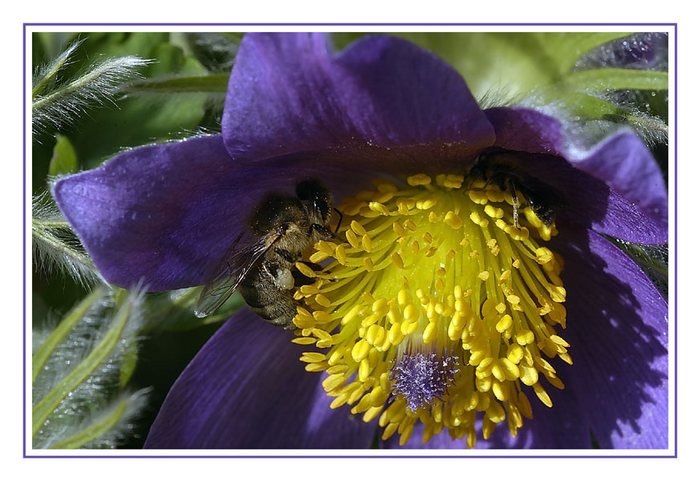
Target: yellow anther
(332, 382)
(429, 333)
(515, 353)
(544, 255)
(378, 207)
(426, 204)
(305, 270)
(528, 375)
(357, 228)
(411, 313)
(352, 239)
(453, 220)
(513, 299)
(397, 260)
(559, 341)
(375, 335)
(360, 350)
(542, 395)
(318, 256)
(312, 357)
(418, 179)
(525, 337)
(493, 212)
(483, 275)
(304, 341)
(322, 300)
(504, 324)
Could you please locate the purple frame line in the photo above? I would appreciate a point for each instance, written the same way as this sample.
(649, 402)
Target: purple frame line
(260, 24)
(24, 239)
(675, 228)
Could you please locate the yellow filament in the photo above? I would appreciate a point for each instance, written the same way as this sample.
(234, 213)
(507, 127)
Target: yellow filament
(438, 266)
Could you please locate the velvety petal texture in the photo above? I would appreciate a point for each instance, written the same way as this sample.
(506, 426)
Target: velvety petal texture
(526, 130)
(625, 163)
(161, 214)
(618, 330)
(247, 389)
(289, 93)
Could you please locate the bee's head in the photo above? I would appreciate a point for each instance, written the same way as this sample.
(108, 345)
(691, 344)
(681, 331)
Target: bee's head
(318, 200)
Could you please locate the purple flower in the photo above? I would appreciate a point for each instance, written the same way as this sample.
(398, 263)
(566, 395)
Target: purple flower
(471, 276)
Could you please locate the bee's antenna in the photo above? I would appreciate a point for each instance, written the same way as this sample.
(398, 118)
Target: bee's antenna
(340, 219)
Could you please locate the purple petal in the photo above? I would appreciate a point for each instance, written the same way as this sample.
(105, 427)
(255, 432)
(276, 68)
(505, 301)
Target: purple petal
(617, 328)
(247, 389)
(622, 161)
(526, 130)
(161, 213)
(627, 166)
(289, 94)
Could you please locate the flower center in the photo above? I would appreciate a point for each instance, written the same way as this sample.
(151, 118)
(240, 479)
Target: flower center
(439, 304)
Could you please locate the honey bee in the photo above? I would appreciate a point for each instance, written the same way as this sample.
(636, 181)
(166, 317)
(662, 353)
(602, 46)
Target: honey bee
(284, 227)
(502, 169)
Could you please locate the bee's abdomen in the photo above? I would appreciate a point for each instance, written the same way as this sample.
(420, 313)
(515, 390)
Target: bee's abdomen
(267, 300)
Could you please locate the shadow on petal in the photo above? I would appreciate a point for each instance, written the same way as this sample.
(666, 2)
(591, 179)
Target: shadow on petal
(617, 328)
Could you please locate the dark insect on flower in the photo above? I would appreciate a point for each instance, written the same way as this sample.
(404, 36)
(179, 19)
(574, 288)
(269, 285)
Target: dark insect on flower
(264, 271)
(502, 169)
(502, 269)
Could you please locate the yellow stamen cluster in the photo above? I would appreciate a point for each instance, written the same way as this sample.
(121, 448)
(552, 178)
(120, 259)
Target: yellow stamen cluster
(439, 267)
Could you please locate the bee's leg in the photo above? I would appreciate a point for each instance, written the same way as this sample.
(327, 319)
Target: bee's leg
(323, 232)
(516, 201)
(340, 220)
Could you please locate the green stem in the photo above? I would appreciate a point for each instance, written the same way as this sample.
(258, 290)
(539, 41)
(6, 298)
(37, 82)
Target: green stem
(215, 83)
(40, 233)
(72, 87)
(53, 70)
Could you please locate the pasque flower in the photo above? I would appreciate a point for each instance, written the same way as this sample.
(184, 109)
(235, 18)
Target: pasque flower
(471, 284)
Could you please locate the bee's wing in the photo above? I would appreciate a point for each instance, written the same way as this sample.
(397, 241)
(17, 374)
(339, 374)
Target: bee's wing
(237, 266)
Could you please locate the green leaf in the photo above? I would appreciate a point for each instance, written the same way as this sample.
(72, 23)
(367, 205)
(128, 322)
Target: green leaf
(617, 79)
(64, 159)
(568, 47)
